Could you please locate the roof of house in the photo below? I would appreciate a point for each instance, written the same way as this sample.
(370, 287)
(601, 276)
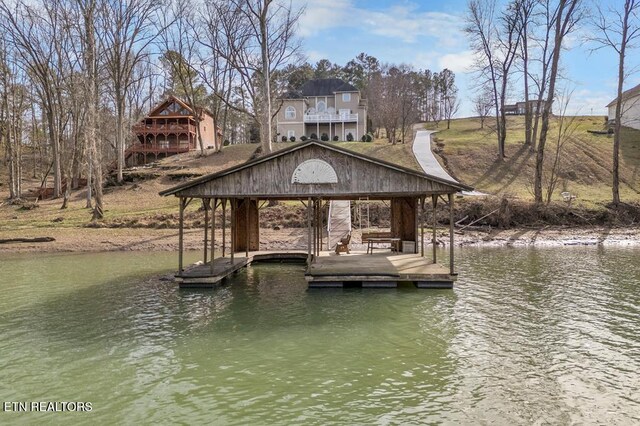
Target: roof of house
(292, 94)
(173, 99)
(391, 178)
(634, 91)
(325, 87)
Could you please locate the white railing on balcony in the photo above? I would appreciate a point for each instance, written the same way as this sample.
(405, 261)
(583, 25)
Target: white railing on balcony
(329, 118)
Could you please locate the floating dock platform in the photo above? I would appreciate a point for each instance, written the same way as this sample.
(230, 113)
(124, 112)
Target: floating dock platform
(379, 270)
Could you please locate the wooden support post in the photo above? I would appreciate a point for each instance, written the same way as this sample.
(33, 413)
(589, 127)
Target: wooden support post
(206, 204)
(224, 227)
(320, 228)
(316, 240)
(434, 199)
(181, 235)
(309, 231)
(422, 227)
(416, 227)
(451, 269)
(213, 232)
(247, 203)
(233, 227)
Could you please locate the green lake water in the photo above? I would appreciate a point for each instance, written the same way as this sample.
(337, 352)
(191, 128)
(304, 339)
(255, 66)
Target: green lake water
(527, 336)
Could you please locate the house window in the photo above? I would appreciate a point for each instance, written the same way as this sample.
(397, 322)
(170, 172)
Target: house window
(321, 106)
(346, 97)
(290, 113)
(290, 133)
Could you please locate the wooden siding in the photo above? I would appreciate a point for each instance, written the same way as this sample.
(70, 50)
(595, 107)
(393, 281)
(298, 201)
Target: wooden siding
(403, 218)
(357, 177)
(242, 227)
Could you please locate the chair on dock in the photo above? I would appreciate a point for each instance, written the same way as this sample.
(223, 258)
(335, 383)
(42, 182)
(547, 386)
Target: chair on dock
(343, 245)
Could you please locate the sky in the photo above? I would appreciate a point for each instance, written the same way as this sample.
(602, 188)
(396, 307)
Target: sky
(428, 34)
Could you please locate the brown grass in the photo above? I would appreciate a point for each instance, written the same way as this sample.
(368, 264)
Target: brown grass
(470, 153)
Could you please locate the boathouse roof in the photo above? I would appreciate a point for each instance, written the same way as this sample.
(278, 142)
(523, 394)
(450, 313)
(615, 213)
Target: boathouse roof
(315, 169)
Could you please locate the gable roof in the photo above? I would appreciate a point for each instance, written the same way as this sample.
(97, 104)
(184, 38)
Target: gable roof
(164, 104)
(393, 172)
(161, 106)
(325, 87)
(634, 91)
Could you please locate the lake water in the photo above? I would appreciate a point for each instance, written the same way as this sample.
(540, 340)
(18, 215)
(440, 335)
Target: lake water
(548, 335)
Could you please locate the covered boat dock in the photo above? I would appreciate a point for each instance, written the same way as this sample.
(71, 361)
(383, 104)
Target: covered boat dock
(316, 173)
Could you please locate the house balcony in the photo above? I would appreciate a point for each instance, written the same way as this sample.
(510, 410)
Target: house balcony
(330, 118)
(164, 128)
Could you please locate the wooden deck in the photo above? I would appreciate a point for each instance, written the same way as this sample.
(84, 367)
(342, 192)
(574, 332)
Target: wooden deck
(380, 270)
(384, 270)
(200, 276)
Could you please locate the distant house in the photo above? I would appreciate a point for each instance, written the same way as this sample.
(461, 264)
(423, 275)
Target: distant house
(519, 108)
(328, 106)
(630, 108)
(170, 128)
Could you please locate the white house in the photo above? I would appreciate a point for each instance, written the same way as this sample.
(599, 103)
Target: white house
(630, 108)
(323, 106)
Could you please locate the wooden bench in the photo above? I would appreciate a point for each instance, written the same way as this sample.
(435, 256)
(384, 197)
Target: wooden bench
(372, 238)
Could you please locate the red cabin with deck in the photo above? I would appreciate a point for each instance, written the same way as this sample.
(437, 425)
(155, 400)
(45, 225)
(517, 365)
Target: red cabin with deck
(171, 128)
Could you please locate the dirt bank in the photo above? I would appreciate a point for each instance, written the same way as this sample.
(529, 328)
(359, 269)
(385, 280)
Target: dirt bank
(137, 239)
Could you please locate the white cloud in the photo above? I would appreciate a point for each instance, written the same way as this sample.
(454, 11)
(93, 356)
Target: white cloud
(459, 62)
(403, 22)
(585, 102)
(315, 56)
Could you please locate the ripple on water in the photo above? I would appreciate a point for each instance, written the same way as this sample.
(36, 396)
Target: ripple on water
(526, 336)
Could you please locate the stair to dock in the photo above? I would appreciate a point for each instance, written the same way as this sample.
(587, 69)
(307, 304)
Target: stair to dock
(339, 223)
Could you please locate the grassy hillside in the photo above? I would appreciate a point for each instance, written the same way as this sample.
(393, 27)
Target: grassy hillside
(138, 203)
(466, 150)
(585, 160)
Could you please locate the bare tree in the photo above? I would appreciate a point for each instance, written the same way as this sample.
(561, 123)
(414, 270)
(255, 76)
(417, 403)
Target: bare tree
(542, 61)
(181, 55)
(618, 30)
(496, 41)
(88, 11)
(482, 31)
(526, 10)
(566, 16)
(30, 29)
(386, 100)
(13, 105)
(259, 38)
(216, 72)
(127, 31)
(449, 93)
(566, 127)
(482, 105)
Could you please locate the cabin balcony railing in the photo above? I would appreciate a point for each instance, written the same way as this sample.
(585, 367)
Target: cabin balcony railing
(164, 128)
(330, 118)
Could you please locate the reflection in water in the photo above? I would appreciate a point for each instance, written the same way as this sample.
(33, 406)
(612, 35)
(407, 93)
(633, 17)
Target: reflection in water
(527, 335)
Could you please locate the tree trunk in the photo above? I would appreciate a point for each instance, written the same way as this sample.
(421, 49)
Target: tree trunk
(502, 124)
(92, 109)
(527, 107)
(55, 147)
(196, 118)
(618, 125)
(546, 111)
(119, 134)
(266, 78)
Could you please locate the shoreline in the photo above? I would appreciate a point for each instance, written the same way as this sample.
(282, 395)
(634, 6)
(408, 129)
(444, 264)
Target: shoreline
(149, 239)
